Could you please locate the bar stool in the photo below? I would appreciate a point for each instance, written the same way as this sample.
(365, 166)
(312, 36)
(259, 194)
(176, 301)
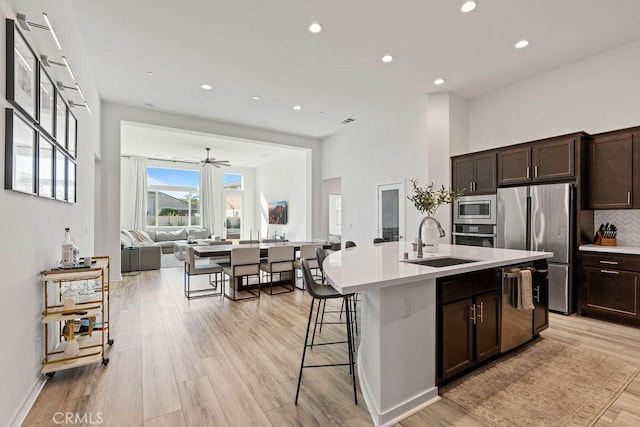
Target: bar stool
(377, 240)
(349, 244)
(322, 292)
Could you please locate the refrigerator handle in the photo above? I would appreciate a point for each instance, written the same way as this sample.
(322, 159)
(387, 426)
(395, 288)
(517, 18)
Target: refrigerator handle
(529, 224)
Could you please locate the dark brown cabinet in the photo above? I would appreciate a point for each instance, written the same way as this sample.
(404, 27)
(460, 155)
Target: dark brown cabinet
(469, 316)
(609, 286)
(550, 160)
(475, 174)
(612, 171)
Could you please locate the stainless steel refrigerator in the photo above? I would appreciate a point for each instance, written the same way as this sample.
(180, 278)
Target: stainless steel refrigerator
(540, 218)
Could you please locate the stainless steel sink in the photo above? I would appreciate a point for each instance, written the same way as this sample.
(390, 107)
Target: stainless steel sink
(440, 262)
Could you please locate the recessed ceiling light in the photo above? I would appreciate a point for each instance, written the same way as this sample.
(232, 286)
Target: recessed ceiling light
(438, 81)
(257, 98)
(150, 73)
(206, 86)
(315, 28)
(468, 6)
(148, 105)
(387, 58)
(521, 44)
(297, 107)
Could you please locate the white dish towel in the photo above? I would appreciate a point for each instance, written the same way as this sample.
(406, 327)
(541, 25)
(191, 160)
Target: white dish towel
(525, 290)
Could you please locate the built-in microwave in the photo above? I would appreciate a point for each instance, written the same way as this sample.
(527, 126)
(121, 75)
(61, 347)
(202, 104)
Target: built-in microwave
(475, 210)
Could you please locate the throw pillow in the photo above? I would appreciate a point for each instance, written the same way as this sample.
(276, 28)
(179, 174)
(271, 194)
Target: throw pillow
(198, 233)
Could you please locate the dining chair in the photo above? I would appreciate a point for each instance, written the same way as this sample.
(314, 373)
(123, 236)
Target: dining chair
(279, 260)
(245, 262)
(307, 252)
(193, 269)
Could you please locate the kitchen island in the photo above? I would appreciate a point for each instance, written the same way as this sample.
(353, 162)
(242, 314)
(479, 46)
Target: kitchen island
(397, 353)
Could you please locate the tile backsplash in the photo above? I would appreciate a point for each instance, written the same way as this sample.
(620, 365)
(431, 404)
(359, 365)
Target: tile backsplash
(627, 221)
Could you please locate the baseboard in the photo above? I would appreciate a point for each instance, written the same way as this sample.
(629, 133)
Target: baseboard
(27, 403)
(399, 412)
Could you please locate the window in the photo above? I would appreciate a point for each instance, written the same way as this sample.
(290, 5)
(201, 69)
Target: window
(173, 197)
(233, 181)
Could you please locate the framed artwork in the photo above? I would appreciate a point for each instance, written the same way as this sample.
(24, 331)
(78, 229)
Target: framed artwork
(22, 72)
(71, 181)
(20, 143)
(47, 99)
(60, 175)
(72, 129)
(61, 120)
(45, 168)
(278, 213)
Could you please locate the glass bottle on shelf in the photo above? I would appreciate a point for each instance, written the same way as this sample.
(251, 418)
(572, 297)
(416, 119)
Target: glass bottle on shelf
(67, 250)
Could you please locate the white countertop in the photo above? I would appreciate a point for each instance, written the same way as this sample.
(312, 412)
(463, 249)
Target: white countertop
(371, 267)
(633, 250)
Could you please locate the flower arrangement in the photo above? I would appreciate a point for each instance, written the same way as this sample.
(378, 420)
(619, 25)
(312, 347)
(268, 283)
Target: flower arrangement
(428, 199)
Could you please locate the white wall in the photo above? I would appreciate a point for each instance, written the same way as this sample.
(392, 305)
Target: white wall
(32, 228)
(595, 95)
(390, 147)
(114, 114)
(285, 179)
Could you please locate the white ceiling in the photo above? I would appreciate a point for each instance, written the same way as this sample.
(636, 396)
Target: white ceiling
(262, 47)
(163, 143)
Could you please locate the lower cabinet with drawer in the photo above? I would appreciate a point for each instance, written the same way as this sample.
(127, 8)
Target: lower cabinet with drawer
(609, 287)
(469, 315)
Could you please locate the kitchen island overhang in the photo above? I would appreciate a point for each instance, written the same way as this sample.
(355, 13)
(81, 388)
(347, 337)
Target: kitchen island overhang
(397, 353)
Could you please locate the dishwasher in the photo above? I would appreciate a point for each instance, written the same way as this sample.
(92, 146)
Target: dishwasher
(518, 325)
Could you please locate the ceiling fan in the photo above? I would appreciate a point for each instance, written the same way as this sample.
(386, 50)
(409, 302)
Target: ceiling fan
(213, 161)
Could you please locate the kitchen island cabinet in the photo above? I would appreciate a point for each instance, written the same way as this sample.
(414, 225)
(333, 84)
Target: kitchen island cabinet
(468, 321)
(398, 335)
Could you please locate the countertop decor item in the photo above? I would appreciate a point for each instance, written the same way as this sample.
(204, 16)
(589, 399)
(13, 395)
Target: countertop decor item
(428, 199)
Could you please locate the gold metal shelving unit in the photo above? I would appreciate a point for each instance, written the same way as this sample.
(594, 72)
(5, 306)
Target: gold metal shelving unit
(54, 316)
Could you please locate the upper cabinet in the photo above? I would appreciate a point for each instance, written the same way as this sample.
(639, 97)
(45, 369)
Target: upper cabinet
(549, 160)
(475, 174)
(614, 161)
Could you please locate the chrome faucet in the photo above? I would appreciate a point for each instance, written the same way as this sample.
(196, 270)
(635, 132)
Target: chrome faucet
(440, 230)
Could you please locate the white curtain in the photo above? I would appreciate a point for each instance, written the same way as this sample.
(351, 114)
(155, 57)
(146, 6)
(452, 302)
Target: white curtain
(207, 205)
(133, 193)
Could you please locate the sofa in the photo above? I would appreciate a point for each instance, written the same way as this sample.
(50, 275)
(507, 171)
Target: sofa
(150, 253)
(167, 239)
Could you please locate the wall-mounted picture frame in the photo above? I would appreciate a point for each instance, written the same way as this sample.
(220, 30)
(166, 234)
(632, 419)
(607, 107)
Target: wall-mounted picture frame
(60, 175)
(22, 72)
(20, 143)
(46, 103)
(45, 168)
(71, 181)
(72, 132)
(278, 212)
(61, 120)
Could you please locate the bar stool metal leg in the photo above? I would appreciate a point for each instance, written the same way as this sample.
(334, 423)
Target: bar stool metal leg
(304, 350)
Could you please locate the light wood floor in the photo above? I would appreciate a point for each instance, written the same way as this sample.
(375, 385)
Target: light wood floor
(215, 362)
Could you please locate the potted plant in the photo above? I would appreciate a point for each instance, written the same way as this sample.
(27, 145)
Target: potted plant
(427, 200)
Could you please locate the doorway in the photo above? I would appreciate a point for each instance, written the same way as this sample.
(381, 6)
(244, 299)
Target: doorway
(391, 212)
(232, 215)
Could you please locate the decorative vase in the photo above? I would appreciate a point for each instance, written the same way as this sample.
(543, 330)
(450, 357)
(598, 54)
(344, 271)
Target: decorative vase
(431, 237)
(71, 349)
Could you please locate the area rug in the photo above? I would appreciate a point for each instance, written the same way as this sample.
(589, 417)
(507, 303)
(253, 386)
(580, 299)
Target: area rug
(547, 383)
